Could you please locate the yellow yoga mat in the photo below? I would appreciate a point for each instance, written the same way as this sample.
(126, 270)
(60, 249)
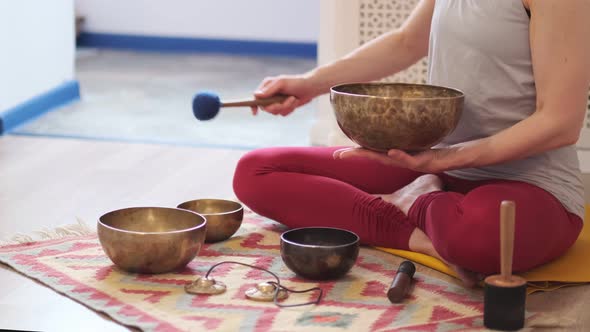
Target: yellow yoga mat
(570, 269)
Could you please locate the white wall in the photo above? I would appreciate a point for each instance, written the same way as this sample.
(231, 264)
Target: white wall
(37, 48)
(280, 20)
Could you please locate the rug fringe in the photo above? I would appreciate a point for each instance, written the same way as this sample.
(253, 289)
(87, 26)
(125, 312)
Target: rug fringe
(59, 232)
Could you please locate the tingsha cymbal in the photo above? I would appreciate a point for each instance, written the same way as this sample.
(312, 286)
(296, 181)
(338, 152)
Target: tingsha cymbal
(205, 286)
(265, 291)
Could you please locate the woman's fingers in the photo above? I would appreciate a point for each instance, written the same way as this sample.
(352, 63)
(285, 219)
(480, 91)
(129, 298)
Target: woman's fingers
(265, 82)
(338, 154)
(288, 106)
(269, 88)
(284, 108)
(358, 152)
(272, 86)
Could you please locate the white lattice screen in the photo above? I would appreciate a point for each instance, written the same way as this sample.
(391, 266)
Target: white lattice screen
(377, 17)
(347, 24)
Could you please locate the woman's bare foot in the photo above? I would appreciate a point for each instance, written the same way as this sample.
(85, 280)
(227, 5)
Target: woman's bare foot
(405, 197)
(470, 279)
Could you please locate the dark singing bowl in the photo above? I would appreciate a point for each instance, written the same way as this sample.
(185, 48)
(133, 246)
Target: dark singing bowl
(151, 239)
(319, 253)
(224, 217)
(385, 116)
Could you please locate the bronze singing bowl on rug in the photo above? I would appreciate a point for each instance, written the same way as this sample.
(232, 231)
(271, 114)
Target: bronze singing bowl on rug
(224, 217)
(384, 116)
(151, 239)
(319, 253)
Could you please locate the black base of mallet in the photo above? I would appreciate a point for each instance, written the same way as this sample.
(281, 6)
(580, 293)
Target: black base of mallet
(504, 305)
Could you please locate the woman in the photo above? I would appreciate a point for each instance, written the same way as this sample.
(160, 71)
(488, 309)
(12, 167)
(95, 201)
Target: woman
(524, 66)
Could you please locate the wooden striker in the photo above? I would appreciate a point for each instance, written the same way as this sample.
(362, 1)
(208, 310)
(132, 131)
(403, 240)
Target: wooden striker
(505, 294)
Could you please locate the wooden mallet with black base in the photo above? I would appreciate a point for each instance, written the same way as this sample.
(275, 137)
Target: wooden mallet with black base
(505, 294)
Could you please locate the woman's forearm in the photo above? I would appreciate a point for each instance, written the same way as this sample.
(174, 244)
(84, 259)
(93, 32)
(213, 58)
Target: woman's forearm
(379, 58)
(383, 56)
(536, 134)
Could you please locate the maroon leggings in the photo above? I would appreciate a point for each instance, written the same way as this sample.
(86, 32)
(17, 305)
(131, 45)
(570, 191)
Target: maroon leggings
(302, 187)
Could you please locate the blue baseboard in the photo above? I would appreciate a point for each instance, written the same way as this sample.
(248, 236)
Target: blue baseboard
(60, 95)
(179, 44)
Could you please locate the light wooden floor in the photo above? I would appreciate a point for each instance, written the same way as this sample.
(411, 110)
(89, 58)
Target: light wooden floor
(49, 182)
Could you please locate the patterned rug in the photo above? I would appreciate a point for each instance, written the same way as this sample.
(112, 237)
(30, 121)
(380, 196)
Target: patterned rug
(77, 268)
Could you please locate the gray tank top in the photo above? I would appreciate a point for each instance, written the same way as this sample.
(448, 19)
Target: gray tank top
(482, 48)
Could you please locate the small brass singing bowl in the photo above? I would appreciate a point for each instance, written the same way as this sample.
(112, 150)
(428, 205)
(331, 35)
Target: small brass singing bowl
(319, 253)
(385, 116)
(151, 239)
(224, 217)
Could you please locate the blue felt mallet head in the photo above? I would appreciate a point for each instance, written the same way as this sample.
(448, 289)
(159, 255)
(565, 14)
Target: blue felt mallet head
(206, 105)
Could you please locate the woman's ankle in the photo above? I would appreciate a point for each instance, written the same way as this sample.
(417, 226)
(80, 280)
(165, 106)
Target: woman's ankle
(421, 243)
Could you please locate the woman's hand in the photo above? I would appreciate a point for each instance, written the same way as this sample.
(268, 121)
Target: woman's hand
(300, 88)
(429, 161)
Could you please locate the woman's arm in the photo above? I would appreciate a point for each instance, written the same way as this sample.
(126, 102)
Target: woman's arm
(383, 56)
(561, 64)
(379, 58)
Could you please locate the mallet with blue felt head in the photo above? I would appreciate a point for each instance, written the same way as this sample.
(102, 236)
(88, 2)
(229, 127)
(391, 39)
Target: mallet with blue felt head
(206, 104)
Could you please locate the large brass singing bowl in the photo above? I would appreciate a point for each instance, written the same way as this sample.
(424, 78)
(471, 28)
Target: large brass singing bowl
(224, 217)
(319, 253)
(384, 116)
(151, 239)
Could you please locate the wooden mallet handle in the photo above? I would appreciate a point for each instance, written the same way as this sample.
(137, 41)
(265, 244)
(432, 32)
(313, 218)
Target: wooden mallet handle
(256, 102)
(507, 212)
